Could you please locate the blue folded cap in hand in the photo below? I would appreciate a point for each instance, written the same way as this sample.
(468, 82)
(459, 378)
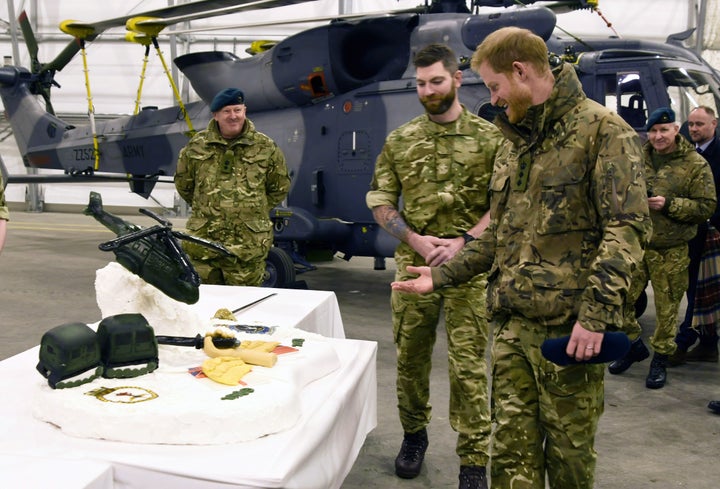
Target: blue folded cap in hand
(614, 345)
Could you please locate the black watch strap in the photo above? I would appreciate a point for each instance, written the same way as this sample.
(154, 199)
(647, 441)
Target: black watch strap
(467, 238)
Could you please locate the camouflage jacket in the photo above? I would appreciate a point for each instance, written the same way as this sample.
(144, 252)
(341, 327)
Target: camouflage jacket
(231, 185)
(441, 171)
(685, 179)
(4, 213)
(569, 214)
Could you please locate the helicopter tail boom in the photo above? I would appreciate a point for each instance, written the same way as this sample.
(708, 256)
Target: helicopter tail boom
(27, 117)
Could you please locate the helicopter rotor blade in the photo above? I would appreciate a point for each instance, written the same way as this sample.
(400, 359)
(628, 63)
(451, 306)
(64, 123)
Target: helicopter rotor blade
(59, 62)
(173, 14)
(306, 20)
(43, 81)
(205, 8)
(30, 41)
(186, 12)
(213, 8)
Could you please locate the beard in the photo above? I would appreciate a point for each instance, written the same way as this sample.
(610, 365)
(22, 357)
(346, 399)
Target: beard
(439, 104)
(518, 103)
(518, 107)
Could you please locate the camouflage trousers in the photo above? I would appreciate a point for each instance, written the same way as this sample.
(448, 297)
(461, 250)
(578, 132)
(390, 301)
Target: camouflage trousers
(415, 320)
(230, 271)
(545, 415)
(667, 271)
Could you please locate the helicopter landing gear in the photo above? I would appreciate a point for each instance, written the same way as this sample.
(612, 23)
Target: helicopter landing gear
(279, 269)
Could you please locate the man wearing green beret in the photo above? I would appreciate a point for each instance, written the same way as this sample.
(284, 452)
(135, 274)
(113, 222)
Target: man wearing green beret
(681, 195)
(232, 176)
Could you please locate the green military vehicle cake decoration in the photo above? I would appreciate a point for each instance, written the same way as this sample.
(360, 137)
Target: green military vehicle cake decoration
(70, 356)
(73, 354)
(128, 347)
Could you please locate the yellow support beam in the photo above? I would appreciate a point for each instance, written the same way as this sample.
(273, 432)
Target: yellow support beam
(144, 30)
(81, 32)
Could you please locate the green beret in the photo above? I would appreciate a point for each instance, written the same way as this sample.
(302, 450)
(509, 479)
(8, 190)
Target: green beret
(663, 115)
(228, 96)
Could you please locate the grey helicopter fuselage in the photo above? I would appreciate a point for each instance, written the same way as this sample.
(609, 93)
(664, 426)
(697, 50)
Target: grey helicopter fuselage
(329, 96)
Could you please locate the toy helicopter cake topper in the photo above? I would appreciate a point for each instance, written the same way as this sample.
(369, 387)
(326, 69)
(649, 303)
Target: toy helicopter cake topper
(154, 254)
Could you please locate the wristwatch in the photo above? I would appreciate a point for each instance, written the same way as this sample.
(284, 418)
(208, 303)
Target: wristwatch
(468, 237)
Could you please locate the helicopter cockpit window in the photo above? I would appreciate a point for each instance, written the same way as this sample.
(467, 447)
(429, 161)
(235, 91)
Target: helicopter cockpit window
(627, 99)
(688, 89)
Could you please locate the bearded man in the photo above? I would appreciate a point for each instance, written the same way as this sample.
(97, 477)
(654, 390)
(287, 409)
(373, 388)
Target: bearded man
(440, 163)
(569, 219)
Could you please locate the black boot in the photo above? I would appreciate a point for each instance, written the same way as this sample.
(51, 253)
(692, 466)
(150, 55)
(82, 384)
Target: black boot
(678, 358)
(637, 353)
(412, 453)
(472, 477)
(703, 352)
(714, 406)
(658, 374)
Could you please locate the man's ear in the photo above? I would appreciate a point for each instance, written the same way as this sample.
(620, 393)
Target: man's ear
(519, 69)
(457, 78)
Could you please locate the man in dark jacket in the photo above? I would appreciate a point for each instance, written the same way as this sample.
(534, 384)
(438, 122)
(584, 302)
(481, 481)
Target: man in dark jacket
(702, 131)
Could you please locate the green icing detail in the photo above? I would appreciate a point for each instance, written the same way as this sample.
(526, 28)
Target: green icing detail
(67, 383)
(129, 372)
(238, 393)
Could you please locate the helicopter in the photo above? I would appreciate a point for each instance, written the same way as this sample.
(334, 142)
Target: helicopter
(328, 96)
(154, 254)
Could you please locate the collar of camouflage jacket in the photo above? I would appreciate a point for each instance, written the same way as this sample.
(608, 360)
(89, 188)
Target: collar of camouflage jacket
(540, 118)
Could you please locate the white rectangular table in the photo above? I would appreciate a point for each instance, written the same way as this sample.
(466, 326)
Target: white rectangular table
(316, 311)
(338, 411)
(41, 472)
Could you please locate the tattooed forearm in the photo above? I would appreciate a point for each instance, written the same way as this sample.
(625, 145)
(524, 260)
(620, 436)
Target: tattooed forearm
(391, 220)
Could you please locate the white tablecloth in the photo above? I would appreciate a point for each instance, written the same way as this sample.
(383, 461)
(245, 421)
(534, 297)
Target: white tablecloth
(338, 411)
(41, 472)
(316, 311)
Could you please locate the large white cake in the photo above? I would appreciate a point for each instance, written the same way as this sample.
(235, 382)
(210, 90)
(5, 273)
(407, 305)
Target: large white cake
(176, 404)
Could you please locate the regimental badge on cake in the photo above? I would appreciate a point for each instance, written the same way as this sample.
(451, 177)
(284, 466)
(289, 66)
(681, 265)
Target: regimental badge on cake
(123, 395)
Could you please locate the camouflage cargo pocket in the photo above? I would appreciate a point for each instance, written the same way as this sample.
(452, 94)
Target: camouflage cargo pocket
(577, 393)
(565, 202)
(197, 227)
